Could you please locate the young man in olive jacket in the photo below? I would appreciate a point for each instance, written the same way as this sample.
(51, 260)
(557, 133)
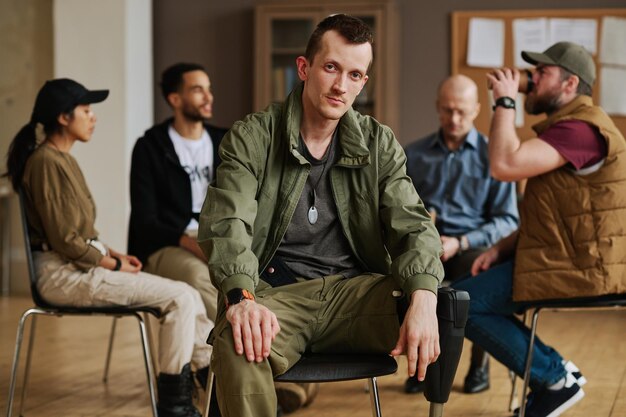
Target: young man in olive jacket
(172, 166)
(314, 232)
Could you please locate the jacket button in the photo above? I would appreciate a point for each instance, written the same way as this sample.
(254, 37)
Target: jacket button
(270, 270)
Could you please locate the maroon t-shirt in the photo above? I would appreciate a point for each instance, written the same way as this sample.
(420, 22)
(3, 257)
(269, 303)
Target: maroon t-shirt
(579, 142)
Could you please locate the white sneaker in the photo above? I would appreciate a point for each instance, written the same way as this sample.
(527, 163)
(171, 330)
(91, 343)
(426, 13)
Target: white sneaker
(571, 368)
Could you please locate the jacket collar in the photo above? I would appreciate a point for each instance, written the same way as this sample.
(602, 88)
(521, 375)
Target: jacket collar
(353, 151)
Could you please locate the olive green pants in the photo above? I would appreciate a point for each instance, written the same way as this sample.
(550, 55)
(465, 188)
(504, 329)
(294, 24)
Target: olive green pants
(330, 314)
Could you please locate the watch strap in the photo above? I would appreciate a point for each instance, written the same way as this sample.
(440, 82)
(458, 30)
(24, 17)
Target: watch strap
(505, 102)
(237, 295)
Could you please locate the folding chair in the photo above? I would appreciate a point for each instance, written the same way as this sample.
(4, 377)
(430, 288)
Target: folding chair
(452, 308)
(44, 308)
(534, 308)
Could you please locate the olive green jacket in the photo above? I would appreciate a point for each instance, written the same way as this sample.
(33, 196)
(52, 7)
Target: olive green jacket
(261, 178)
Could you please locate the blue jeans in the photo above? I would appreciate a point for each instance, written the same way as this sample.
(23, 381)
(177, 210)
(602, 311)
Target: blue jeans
(492, 326)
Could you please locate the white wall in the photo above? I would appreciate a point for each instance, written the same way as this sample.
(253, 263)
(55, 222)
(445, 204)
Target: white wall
(108, 45)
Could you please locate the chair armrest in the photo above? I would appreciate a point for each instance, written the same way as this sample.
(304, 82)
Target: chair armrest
(452, 310)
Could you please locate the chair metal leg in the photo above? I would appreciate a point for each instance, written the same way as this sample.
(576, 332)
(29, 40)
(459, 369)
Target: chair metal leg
(107, 363)
(16, 358)
(529, 361)
(513, 400)
(29, 351)
(436, 410)
(155, 362)
(147, 357)
(376, 411)
(209, 389)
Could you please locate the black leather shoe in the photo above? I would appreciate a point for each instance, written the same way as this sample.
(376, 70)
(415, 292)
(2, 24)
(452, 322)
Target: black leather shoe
(413, 385)
(477, 379)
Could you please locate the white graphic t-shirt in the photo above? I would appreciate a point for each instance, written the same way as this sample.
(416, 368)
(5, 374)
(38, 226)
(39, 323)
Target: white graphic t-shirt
(196, 157)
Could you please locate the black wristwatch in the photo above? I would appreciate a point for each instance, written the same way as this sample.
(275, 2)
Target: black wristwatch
(237, 295)
(506, 102)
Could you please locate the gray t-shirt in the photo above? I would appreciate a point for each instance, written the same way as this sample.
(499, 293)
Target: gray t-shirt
(319, 249)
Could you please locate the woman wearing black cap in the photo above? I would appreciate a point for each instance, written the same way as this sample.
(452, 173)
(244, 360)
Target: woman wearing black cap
(73, 267)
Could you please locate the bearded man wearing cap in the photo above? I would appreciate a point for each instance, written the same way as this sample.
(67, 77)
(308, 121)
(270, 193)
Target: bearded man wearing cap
(571, 241)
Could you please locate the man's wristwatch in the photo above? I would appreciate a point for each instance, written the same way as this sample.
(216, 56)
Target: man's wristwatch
(506, 102)
(237, 295)
(463, 244)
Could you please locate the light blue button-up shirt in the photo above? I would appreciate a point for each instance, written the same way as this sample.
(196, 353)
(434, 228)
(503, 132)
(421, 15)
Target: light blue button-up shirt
(458, 186)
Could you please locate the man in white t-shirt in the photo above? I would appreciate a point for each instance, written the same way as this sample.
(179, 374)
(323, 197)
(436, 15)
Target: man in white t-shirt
(172, 166)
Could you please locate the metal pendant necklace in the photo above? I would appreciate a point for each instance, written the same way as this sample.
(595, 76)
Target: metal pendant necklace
(313, 214)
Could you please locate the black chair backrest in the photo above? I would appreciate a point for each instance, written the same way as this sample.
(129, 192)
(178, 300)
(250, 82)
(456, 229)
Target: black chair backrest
(34, 292)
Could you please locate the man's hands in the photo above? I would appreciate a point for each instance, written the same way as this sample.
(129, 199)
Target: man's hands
(504, 82)
(254, 329)
(498, 252)
(451, 246)
(484, 261)
(419, 333)
(191, 244)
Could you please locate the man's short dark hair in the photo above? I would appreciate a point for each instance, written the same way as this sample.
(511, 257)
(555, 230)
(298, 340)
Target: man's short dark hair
(583, 89)
(353, 29)
(172, 77)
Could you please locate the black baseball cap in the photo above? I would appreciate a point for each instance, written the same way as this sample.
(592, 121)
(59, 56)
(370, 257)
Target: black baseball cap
(568, 55)
(61, 95)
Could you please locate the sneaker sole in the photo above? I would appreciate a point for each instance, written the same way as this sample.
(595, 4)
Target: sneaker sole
(567, 404)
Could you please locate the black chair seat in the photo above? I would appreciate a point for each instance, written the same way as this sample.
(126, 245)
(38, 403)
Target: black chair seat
(108, 311)
(581, 302)
(318, 367)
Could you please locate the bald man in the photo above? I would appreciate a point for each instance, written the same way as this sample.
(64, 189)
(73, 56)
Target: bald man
(472, 210)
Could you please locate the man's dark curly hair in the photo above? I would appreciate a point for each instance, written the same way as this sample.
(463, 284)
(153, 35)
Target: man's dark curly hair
(172, 77)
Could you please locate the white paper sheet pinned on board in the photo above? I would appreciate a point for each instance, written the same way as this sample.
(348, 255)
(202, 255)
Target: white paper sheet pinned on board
(581, 31)
(529, 35)
(613, 41)
(612, 93)
(485, 47)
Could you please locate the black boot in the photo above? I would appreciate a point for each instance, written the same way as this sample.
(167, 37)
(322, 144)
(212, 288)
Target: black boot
(477, 378)
(175, 392)
(412, 385)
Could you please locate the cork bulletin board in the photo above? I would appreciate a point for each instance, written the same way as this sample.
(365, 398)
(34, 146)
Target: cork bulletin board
(460, 34)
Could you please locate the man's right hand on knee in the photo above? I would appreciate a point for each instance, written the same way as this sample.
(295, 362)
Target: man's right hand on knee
(254, 328)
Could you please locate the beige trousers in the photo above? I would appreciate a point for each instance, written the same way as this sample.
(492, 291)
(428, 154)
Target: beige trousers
(184, 324)
(181, 265)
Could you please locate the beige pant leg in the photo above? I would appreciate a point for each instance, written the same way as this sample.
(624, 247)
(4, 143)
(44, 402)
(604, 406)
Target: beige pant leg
(184, 324)
(181, 265)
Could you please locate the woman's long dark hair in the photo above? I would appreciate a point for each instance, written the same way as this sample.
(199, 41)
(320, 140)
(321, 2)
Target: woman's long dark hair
(23, 145)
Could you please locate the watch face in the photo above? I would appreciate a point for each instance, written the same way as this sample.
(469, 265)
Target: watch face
(505, 102)
(235, 296)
